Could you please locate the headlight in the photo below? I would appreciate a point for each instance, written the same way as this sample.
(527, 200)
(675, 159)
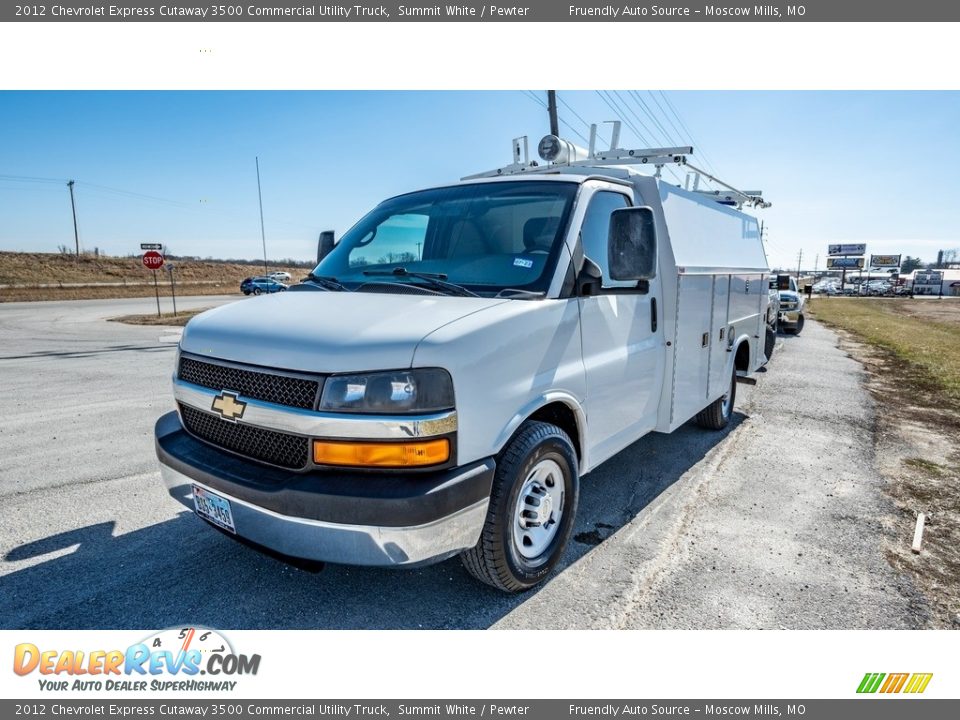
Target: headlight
(400, 391)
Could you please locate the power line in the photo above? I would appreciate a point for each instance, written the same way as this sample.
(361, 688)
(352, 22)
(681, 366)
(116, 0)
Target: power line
(577, 116)
(702, 151)
(650, 114)
(637, 117)
(29, 179)
(611, 104)
(664, 113)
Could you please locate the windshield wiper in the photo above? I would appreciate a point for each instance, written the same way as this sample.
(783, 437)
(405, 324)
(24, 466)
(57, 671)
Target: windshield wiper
(327, 283)
(436, 280)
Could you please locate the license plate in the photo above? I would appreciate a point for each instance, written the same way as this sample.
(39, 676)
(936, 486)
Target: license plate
(213, 508)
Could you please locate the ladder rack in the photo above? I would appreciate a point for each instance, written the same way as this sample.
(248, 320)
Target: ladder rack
(558, 153)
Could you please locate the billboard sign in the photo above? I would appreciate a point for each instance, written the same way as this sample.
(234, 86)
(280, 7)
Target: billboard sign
(885, 261)
(928, 278)
(849, 263)
(848, 249)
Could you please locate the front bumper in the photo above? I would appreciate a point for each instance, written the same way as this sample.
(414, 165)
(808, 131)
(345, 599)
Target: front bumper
(790, 317)
(353, 518)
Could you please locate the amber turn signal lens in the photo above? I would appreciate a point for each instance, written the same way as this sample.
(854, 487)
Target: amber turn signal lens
(371, 454)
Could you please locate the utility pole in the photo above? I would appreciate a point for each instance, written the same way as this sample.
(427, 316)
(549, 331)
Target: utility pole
(73, 206)
(263, 235)
(799, 260)
(816, 264)
(552, 110)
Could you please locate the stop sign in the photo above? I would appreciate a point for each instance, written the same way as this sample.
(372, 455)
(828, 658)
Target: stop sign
(152, 260)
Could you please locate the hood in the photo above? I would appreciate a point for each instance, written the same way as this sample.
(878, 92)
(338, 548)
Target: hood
(325, 332)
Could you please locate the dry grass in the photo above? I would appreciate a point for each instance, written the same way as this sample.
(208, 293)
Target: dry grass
(101, 293)
(924, 334)
(194, 277)
(180, 319)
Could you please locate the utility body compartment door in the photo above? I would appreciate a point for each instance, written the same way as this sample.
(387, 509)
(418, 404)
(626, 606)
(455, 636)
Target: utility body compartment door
(691, 361)
(720, 356)
(622, 337)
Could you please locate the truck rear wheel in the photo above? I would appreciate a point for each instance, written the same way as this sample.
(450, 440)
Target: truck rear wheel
(717, 414)
(533, 504)
(770, 342)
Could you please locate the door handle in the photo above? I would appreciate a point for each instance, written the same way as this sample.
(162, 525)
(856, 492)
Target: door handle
(653, 315)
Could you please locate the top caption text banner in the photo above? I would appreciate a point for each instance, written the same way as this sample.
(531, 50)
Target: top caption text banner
(531, 11)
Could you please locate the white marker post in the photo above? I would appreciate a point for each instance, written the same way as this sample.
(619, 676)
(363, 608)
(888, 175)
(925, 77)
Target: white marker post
(918, 533)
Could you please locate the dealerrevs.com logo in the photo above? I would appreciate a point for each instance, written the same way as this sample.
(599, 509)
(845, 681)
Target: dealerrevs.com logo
(181, 659)
(892, 683)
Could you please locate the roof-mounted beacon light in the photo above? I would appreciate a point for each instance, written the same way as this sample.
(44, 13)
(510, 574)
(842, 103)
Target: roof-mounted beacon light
(561, 152)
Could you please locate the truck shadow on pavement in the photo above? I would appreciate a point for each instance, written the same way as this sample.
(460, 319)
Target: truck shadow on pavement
(182, 572)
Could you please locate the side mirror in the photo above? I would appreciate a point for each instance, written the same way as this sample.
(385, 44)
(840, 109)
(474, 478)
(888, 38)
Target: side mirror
(325, 245)
(632, 244)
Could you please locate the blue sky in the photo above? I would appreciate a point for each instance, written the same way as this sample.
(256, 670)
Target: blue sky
(178, 167)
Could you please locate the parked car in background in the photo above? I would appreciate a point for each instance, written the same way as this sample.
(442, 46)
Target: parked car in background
(791, 304)
(830, 286)
(260, 285)
(279, 276)
(878, 287)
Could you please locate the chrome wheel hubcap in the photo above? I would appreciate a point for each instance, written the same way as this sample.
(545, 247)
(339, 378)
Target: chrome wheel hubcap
(539, 509)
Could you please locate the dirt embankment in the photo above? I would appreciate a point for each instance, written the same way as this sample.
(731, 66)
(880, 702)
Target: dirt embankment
(50, 276)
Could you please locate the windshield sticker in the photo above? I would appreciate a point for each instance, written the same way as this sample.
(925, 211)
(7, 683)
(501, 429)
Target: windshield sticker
(522, 262)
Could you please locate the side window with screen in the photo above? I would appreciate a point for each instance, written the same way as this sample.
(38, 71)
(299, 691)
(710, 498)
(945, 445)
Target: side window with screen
(595, 228)
(398, 239)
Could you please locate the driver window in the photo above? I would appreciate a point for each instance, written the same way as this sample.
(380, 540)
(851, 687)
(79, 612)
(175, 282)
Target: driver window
(595, 229)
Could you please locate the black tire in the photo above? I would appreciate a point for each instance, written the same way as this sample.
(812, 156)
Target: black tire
(246, 292)
(769, 343)
(257, 291)
(799, 327)
(496, 559)
(713, 416)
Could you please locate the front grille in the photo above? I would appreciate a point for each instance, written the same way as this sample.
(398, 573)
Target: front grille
(276, 448)
(279, 389)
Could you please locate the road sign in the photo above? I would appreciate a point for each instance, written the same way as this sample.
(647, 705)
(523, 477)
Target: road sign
(884, 261)
(850, 263)
(152, 260)
(151, 246)
(849, 249)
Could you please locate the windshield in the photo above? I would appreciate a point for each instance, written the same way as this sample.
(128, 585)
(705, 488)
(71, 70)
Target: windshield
(486, 237)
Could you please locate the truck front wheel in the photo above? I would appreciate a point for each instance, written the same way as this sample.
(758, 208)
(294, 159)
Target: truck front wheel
(533, 504)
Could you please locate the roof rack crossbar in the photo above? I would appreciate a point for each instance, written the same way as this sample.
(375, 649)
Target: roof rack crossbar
(754, 197)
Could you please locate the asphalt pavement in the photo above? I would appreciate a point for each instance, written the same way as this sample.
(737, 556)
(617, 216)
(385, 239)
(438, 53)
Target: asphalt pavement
(775, 522)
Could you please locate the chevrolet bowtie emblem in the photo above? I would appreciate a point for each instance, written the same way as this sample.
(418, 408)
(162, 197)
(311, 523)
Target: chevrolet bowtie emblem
(229, 406)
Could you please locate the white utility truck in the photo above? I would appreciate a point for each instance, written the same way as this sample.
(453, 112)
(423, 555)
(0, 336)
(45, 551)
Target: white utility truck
(463, 356)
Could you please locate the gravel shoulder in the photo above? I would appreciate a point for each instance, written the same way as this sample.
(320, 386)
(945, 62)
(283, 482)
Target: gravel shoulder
(783, 525)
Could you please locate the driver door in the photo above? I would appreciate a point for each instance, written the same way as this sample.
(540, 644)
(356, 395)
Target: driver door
(622, 339)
